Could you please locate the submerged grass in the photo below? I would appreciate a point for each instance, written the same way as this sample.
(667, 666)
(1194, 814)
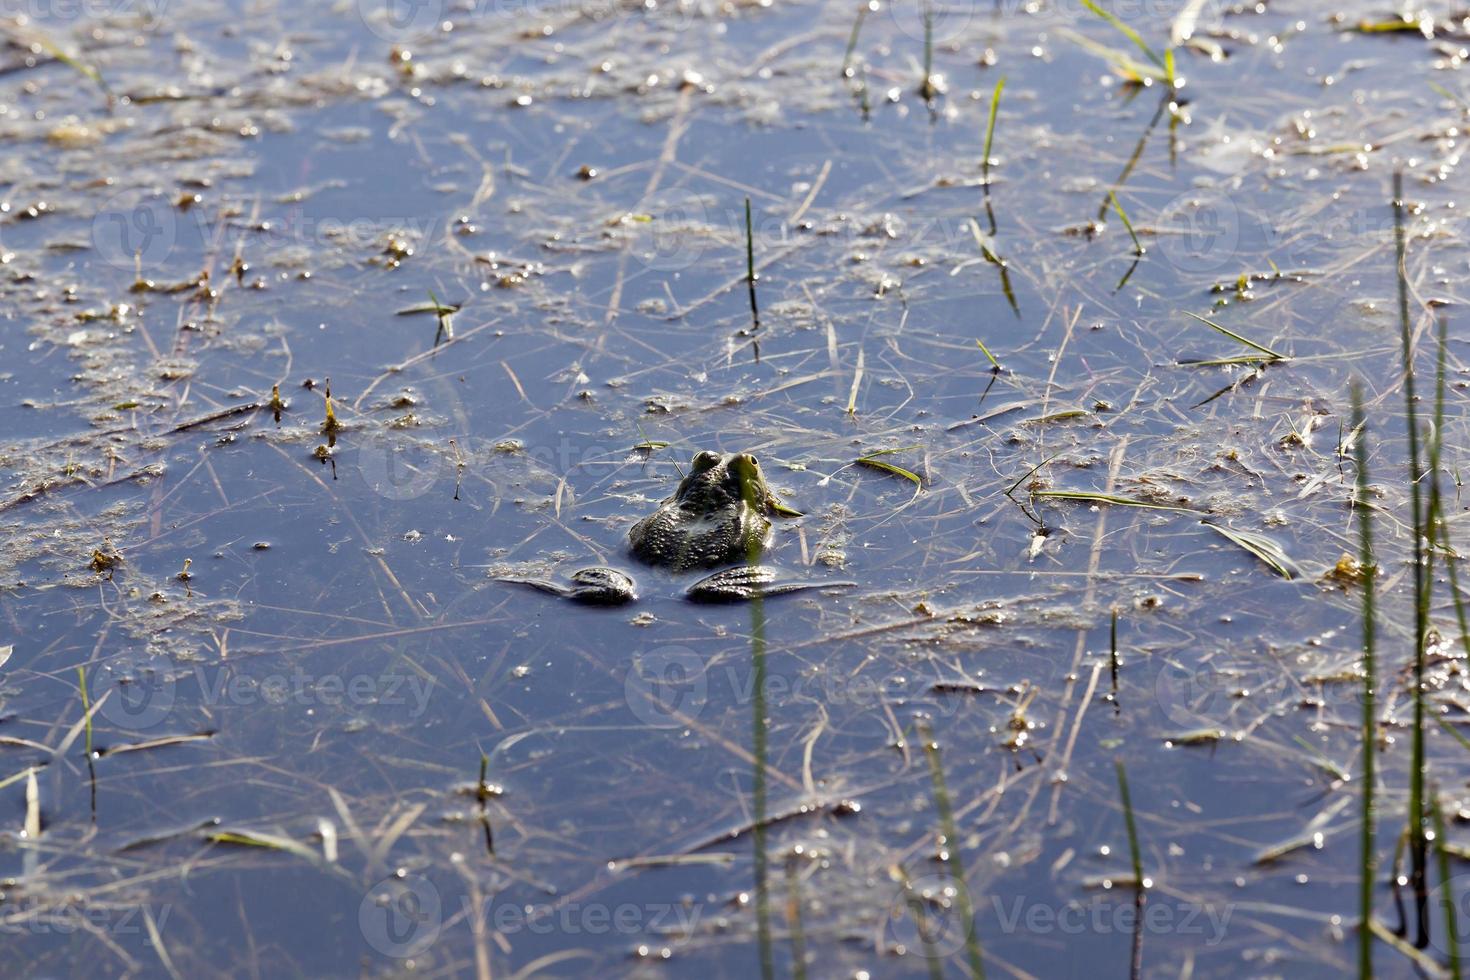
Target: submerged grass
(1446, 887)
(852, 38)
(1266, 549)
(951, 852)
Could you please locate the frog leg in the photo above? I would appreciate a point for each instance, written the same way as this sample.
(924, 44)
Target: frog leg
(748, 582)
(596, 586)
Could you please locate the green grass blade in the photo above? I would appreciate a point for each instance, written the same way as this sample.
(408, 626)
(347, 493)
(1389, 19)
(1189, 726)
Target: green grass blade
(874, 462)
(1274, 354)
(1118, 207)
(1126, 31)
(990, 125)
(1127, 798)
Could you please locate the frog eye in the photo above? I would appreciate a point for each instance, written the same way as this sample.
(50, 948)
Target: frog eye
(704, 460)
(744, 468)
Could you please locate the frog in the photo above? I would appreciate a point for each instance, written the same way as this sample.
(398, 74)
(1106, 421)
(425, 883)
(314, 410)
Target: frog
(720, 514)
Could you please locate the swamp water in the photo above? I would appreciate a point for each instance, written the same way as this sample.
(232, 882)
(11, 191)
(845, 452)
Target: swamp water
(324, 740)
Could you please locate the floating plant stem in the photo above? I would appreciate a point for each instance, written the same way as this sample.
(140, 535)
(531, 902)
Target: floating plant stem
(1366, 858)
(793, 920)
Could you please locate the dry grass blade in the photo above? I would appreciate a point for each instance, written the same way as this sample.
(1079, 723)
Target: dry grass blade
(270, 842)
(32, 825)
(1184, 22)
(1133, 71)
(157, 743)
(1263, 547)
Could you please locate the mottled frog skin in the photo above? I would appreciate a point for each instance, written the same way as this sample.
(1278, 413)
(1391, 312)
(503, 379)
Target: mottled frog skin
(719, 515)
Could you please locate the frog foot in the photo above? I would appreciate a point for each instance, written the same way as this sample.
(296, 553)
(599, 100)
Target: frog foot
(748, 582)
(596, 586)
